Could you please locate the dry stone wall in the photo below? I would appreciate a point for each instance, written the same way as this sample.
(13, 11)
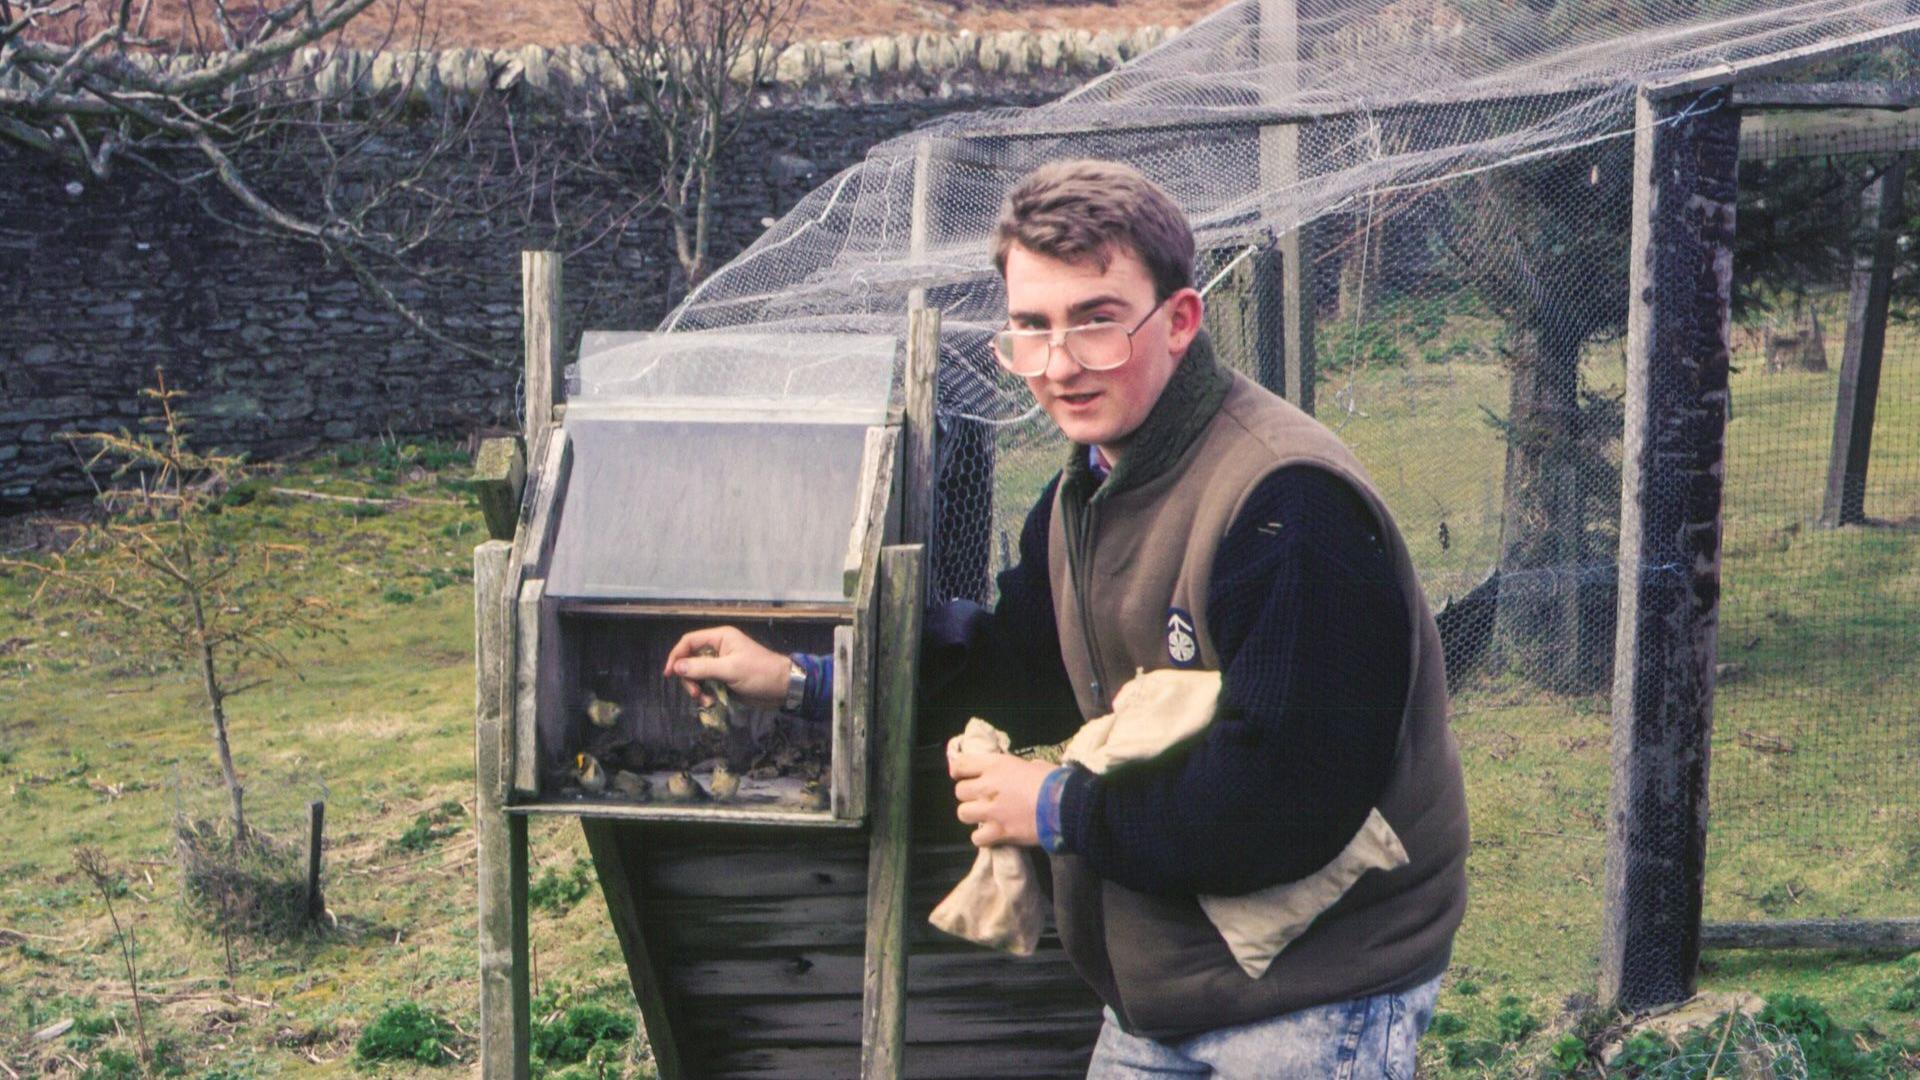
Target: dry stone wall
(284, 352)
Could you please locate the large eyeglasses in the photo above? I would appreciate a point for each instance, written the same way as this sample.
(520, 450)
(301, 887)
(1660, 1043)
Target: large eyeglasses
(1100, 346)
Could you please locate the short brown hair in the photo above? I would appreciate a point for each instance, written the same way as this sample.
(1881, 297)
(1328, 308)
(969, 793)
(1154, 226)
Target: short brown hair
(1085, 210)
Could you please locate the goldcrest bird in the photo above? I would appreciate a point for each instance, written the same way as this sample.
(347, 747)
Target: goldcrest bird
(602, 712)
(813, 796)
(633, 785)
(588, 774)
(716, 714)
(725, 783)
(682, 787)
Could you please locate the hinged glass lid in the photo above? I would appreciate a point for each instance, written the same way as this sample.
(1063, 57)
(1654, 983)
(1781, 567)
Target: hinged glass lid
(716, 481)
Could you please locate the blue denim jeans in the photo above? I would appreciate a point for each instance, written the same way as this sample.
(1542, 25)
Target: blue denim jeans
(1369, 1038)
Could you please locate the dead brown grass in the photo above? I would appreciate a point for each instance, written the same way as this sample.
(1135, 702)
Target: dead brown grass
(495, 24)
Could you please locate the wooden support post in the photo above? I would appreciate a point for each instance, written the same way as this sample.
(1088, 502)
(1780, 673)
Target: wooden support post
(1870, 935)
(883, 1013)
(504, 1001)
(499, 476)
(923, 365)
(542, 316)
(316, 832)
(1292, 372)
(1245, 320)
(1685, 162)
(1883, 208)
(620, 884)
(920, 215)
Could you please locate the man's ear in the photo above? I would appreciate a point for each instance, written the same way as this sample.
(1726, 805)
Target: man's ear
(1185, 311)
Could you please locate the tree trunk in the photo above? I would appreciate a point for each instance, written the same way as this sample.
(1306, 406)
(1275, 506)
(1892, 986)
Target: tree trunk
(216, 705)
(1554, 622)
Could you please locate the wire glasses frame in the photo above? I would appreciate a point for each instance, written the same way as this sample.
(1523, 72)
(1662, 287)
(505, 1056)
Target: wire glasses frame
(1094, 346)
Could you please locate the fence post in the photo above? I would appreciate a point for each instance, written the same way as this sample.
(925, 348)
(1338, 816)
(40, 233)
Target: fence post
(1686, 154)
(1280, 169)
(504, 1003)
(1882, 207)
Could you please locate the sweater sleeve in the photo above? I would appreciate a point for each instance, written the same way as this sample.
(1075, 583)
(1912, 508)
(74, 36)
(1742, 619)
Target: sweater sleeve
(1314, 640)
(1002, 665)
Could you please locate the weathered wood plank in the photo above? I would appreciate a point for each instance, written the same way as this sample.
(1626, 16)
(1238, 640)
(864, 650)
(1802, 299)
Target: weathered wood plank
(827, 1020)
(542, 314)
(1750, 69)
(504, 1030)
(613, 848)
(849, 739)
(499, 478)
(1883, 203)
(732, 815)
(1830, 95)
(917, 475)
(526, 688)
(543, 509)
(1673, 459)
(1839, 131)
(715, 609)
(902, 588)
(822, 972)
(1871, 935)
(864, 540)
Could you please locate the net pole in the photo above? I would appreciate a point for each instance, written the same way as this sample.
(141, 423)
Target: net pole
(1686, 154)
(1280, 171)
(1881, 204)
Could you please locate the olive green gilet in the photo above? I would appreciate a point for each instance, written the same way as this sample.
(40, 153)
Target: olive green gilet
(1126, 554)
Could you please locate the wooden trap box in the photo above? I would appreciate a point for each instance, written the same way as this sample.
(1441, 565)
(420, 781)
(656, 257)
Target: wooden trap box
(694, 481)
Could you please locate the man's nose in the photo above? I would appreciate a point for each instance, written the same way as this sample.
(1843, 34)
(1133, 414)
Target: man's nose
(1061, 365)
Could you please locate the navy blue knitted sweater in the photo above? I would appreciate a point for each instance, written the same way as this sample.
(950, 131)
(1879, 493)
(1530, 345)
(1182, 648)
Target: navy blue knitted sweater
(1313, 635)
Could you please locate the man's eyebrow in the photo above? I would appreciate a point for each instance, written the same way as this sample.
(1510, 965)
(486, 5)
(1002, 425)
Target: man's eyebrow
(1085, 305)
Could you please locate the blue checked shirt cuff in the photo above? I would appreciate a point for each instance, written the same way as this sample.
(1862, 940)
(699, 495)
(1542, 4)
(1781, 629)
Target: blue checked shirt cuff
(1047, 811)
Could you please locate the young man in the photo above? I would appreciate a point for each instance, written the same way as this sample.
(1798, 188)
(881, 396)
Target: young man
(1200, 522)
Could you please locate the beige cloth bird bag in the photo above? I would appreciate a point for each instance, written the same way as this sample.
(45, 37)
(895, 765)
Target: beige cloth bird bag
(1000, 904)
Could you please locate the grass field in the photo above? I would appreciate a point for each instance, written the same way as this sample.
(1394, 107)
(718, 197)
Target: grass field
(1816, 784)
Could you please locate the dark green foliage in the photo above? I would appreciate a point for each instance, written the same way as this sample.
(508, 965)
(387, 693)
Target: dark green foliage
(1513, 1022)
(1568, 1053)
(569, 1037)
(556, 893)
(1446, 1023)
(406, 1032)
(397, 596)
(431, 827)
(1466, 1053)
(1640, 1053)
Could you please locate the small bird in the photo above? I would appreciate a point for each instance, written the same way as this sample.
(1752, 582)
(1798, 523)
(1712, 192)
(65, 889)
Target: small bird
(725, 783)
(682, 787)
(813, 796)
(602, 712)
(633, 785)
(588, 774)
(716, 714)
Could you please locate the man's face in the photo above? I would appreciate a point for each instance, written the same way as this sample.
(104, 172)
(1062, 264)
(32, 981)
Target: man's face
(1099, 408)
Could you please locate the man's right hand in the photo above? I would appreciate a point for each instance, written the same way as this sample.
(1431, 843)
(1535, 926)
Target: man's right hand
(754, 673)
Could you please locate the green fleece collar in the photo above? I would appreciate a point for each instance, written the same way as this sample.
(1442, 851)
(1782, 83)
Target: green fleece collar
(1192, 397)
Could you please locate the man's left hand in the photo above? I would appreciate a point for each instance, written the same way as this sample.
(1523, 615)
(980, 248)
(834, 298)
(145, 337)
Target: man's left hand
(997, 794)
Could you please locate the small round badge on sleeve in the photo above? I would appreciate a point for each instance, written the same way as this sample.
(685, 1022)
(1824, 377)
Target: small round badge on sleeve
(1182, 649)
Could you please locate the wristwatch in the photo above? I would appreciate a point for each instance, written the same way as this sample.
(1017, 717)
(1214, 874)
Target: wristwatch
(796, 686)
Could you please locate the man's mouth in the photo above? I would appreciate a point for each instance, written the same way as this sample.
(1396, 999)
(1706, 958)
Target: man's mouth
(1082, 398)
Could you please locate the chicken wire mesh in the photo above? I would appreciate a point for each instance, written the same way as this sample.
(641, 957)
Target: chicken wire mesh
(1458, 181)
(1816, 752)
